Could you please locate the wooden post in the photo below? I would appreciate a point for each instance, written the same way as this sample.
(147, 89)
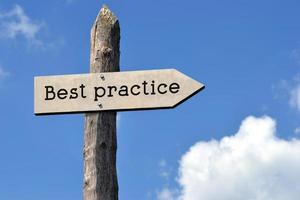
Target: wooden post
(100, 140)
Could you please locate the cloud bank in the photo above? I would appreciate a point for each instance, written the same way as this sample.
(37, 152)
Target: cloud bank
(16, 23)
(253, 164)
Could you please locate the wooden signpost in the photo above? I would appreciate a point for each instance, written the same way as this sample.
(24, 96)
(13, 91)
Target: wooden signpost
(103, 92)
(113, 91)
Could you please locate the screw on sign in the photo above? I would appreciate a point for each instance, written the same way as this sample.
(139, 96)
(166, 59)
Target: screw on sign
(107, 89)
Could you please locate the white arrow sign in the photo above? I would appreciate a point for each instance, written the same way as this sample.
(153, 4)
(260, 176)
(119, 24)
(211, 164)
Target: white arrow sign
(112, 91)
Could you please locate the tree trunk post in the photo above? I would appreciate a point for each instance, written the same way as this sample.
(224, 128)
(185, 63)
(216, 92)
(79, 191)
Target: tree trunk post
(100, 137)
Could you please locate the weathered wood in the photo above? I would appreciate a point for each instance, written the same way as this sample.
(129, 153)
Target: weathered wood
(100, 145)
(129, 90)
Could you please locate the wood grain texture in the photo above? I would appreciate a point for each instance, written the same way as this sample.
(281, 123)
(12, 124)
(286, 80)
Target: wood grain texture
(148, 89)
(100, 140)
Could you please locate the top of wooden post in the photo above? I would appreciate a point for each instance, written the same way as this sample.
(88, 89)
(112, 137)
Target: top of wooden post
(105, 42)
(106, 16)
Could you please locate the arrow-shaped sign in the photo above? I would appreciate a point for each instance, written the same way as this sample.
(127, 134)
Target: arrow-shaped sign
(112, 91)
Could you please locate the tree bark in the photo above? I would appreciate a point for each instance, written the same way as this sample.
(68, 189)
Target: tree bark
(100, 139)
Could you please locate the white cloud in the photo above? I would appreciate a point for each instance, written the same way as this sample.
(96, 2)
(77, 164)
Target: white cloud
(166, 194)
(253, 164)
(165, 169)
(16, 23)
(289, 91)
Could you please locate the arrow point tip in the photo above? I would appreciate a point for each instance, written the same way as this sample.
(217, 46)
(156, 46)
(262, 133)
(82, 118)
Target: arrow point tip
(201, 86)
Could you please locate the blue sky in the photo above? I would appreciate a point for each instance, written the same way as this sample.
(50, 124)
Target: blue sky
(247, 53)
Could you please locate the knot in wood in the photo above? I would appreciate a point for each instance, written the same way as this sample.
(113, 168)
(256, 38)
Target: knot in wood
(106, 51)
(103, 145)
(86, 183)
